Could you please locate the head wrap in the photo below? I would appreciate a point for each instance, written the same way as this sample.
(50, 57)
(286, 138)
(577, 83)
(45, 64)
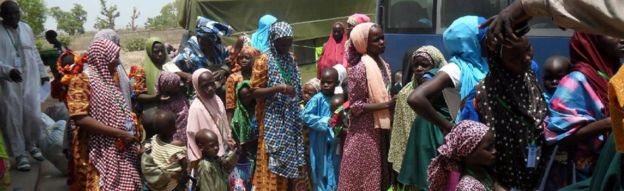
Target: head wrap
(462, 41)
(458, 144)
(333, 52)
(241, 120)
(315, 83)
(208, 112)
(342, 76)
(260, 38)
(357, 18)
(108, 34)
(588, 57)
(212, 29)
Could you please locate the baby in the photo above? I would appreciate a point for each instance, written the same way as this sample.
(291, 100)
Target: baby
(555, 68)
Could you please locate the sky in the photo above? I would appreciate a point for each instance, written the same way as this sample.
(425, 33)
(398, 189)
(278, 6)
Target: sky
(147, 8)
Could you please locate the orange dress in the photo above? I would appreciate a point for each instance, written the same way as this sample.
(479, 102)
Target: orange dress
(230, 90)
(82, 173)
(263, 178)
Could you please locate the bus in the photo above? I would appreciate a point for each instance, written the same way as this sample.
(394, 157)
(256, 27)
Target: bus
(413, 23)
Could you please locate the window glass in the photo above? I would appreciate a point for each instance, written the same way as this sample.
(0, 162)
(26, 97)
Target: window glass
(452, 9)
(410, 16)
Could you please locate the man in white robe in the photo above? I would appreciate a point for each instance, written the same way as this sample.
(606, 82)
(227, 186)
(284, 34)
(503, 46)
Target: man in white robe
(21, 74)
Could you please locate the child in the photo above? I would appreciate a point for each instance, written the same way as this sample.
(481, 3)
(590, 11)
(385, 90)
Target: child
(163, 163)
(316, 114)
(310, 89)
(245, 132)
(555, 68)
(173, 99)
(213, 170)
(243, 66)
(467, 152)
(68, 65)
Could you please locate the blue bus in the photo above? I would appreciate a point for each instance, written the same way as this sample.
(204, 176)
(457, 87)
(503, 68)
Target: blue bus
(414, 23)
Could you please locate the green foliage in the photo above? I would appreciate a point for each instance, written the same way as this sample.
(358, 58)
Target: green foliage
(167, 18)
(135, 15)
(72, 22)
(109, 15)
(134, 44)
(33, 13)
(65, 39)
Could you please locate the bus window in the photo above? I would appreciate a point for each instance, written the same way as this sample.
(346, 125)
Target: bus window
(410, 16)
(452, 10)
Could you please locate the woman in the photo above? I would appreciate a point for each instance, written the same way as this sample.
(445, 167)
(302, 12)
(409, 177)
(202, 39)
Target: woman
(363, 164)
(333, 51)
(103, 126)
(420, 137)
(277, 86)
(465, 69)
(580, 120)
(260, 38)
(509, 100)
(207, 112)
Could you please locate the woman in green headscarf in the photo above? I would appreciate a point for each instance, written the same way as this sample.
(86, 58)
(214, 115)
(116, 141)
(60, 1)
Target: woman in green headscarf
(145, 79)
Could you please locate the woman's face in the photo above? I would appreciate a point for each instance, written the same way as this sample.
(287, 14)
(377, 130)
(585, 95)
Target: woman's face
(517, 56)
(159, 54)
(613, 47)
(338, 32)
(420, 66)
(245, 60)
(283, 45)
(376, 41)
(204, 42)
(207, 84)
(485, 153)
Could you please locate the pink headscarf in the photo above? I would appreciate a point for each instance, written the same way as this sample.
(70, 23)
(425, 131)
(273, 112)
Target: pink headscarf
(333, 52)
(377, 91)
(459, 143)
(357, 18)
(206, 112)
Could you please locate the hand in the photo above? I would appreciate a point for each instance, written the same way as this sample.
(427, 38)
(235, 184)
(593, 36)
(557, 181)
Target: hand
(231, 143)
(501, 25)
(390, 104)
(186, 77)
(128, 138)
(44, 80)
(286, 89)
(219, 75)
(15, 75)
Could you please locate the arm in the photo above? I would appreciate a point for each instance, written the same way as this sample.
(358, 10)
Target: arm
(147, 99)
(590, 130)
(96, 127)
(314, 121)
(261, 93)
(419, 100)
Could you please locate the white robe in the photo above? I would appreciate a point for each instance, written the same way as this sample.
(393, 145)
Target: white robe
(20, 109)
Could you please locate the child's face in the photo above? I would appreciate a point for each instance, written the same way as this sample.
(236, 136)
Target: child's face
(485, 153)
(337, 101)
(207, 84)
(554, 70)
(420, 66)
(308, 92)
(329, 82)
(398, 77)
(210, 147)
(245, 60)
(517, 56)
(245, 96)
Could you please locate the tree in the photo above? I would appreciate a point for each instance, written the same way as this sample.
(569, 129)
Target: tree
(109, 15)
(167, 18)
(34, 13)
(72, 22)
(135, 15)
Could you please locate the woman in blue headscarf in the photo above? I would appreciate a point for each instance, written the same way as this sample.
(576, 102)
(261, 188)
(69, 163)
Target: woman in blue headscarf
(260, 38)
(466, 68)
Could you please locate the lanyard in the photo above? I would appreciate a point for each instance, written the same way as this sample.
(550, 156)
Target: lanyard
(604, 75)
(284, 74)
(12, 42)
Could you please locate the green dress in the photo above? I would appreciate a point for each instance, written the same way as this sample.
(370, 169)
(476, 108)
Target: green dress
(422, 145)
(608, 171)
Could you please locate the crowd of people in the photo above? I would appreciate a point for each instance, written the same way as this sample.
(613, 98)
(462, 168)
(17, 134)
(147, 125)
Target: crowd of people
(215, 117)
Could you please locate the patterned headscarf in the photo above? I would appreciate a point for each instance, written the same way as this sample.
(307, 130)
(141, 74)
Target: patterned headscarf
(178, 104)
(118, 168)
(513, 105)
(431, 54)
(260, 38)
(245, 50)
(241, 120)
(458, 144)
(279, 30)
(212, 28)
